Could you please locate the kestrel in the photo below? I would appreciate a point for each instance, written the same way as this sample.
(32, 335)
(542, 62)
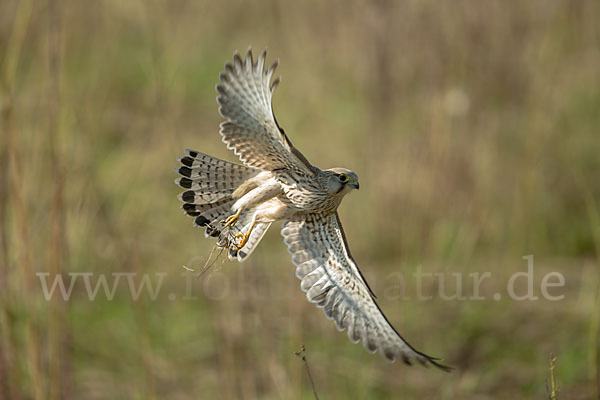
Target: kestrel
(237, 204)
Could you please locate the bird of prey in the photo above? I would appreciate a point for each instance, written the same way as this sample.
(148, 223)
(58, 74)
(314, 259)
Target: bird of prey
(237, 204)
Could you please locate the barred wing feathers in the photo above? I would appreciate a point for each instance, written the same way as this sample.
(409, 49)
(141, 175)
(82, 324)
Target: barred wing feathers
(332, 280)
(250, 128)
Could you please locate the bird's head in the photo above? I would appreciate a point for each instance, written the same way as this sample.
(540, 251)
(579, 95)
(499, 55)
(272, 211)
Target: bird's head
(340, 180)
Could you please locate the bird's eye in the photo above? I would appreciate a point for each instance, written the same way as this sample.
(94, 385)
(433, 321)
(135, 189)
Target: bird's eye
(343, 178)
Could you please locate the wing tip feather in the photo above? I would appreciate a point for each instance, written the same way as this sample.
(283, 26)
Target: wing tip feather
(237, 60)
(275, 84)
(249, 59)
(263, 55)
(272, 68)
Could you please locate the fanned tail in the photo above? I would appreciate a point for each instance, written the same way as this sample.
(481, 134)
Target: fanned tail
(210, 183)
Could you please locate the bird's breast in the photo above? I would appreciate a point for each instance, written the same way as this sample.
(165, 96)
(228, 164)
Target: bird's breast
(309, 198)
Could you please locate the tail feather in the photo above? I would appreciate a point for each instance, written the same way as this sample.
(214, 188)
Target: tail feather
(203, 197)
(195, 210)
(209, 179)
(194, 168)
(210, 184)
(195, 159)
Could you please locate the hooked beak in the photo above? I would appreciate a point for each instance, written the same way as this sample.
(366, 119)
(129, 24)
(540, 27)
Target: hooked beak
(355, 185)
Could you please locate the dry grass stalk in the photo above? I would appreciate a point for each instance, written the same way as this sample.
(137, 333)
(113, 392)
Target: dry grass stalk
(302, 354)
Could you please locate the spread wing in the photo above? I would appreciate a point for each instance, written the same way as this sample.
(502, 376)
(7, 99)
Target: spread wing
(250, 128)
(332, 280)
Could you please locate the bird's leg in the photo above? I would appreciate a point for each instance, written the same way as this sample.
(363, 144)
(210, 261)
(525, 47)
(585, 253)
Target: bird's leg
(244, 237)
(232, 219)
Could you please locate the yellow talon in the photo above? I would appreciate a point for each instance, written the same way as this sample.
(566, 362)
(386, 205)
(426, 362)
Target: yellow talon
(232, 219)
(244, 237)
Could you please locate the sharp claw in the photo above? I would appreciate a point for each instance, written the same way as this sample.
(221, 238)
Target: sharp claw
(232, 219)
(244, 237)
(242, 242)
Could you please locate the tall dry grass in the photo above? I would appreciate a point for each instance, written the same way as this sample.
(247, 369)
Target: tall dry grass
(473, 128)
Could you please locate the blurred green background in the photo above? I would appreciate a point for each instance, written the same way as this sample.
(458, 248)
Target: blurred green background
(474, 129)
